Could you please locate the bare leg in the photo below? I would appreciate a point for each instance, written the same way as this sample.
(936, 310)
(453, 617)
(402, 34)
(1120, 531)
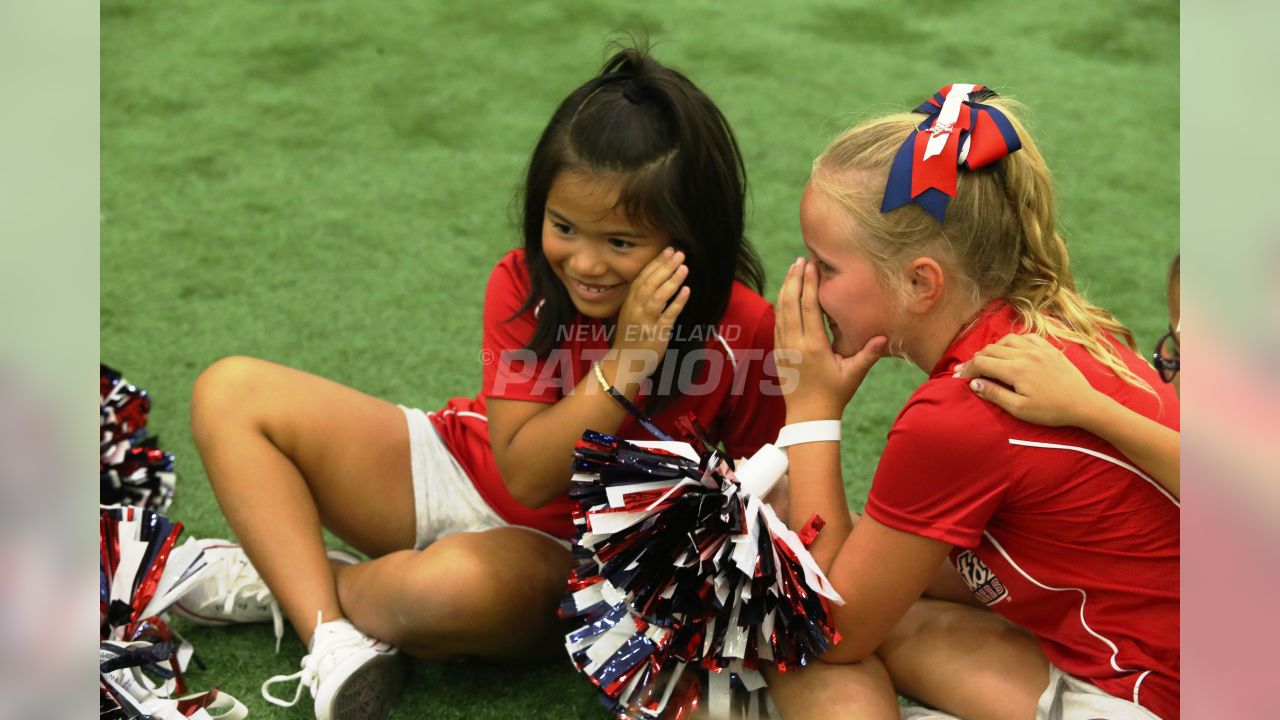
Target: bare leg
(490, 594)
(948, 585)
(966, 661)
(286, 451)
(824, 690)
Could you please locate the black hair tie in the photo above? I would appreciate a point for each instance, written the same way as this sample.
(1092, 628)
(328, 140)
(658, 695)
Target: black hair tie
(632, 92)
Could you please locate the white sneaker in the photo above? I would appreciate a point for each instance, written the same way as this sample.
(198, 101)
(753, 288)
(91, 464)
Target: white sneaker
(351, 675)
(233, 592)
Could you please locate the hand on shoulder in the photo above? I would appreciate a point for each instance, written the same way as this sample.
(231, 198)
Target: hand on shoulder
(1034, 381)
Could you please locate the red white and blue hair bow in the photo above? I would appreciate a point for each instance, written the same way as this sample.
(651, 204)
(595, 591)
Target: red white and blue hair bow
(960, 131)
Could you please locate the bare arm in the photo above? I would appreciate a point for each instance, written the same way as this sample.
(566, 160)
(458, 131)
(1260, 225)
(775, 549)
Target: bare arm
(816, 486)
(533, 442)
(1048, 390)
(879, 571)
(1152, 446)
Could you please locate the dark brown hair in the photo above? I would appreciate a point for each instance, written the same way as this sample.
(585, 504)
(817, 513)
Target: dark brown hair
(681, 173)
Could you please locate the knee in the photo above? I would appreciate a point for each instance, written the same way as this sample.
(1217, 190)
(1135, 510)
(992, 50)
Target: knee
(821, 689)
(926, 615)
(222, 390)
(452, 588)
(933, 620)
(226, 403)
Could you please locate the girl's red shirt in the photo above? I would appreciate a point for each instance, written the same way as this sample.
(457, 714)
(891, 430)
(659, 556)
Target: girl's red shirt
(731, 387)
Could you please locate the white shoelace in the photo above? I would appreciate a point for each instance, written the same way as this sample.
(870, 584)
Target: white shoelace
(306, 677)
(324, 645)
(247, 583)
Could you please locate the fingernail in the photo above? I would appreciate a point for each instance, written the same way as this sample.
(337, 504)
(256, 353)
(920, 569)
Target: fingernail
(668, 252)
(976, 386)
(799, 261)
(959, 369)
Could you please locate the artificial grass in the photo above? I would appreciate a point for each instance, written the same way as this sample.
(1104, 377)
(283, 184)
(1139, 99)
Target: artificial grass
(328, 184)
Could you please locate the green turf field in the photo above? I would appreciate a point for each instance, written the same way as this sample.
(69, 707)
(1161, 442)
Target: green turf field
(327, 185)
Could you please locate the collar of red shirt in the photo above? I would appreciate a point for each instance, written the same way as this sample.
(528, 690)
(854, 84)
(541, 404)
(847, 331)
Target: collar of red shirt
(991, 323)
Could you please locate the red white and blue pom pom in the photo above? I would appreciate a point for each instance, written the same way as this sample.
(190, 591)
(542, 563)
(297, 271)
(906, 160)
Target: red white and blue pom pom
(686, 583)
(133, 471)
(142, 571)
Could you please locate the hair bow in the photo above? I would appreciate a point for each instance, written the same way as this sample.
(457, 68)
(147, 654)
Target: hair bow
(960, 131)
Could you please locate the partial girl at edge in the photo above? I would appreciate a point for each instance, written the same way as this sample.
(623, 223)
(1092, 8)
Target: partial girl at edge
(1002, 569)
(634, 252)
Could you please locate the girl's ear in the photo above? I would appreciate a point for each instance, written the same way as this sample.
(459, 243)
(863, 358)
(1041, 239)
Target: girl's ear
(925, 284)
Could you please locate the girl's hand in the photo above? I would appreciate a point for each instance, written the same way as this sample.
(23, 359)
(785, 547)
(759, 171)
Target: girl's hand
(825, 381)
(654, 301)
(1046, 388)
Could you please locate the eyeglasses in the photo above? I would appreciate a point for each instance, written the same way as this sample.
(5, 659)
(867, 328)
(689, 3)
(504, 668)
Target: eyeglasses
(1166, 358)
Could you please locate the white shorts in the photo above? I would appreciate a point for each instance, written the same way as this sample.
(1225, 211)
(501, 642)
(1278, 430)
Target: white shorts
(445, 501)
(1066, 698)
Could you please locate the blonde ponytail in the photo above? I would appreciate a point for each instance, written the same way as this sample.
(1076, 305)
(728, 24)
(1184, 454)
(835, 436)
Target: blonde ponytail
(1000, 234)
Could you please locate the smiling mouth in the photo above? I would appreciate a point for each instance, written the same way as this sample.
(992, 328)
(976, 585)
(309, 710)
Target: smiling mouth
(591, 291)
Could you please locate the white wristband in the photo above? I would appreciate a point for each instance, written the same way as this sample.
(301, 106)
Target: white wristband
(762, 471)
(807, 432)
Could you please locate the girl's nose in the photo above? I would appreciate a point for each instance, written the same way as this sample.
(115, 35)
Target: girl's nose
(586, 263)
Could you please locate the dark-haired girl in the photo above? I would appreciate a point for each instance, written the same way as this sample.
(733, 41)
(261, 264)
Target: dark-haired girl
(635, 279)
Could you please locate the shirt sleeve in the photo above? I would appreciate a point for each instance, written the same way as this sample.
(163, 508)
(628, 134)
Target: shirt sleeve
(511, 371)
(755, 409)
(944, 471)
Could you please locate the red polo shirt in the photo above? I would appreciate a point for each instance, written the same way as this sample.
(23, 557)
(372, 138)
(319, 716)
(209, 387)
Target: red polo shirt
(728, 386)
(1053, 528)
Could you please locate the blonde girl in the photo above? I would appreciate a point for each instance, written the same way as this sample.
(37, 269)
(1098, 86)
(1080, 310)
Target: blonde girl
(1002, 569)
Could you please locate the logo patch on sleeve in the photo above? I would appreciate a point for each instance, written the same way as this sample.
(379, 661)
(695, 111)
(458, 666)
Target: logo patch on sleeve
(981, 581)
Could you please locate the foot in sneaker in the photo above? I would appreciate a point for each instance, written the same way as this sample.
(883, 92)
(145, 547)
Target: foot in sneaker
(351, 675)
(233, 592)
